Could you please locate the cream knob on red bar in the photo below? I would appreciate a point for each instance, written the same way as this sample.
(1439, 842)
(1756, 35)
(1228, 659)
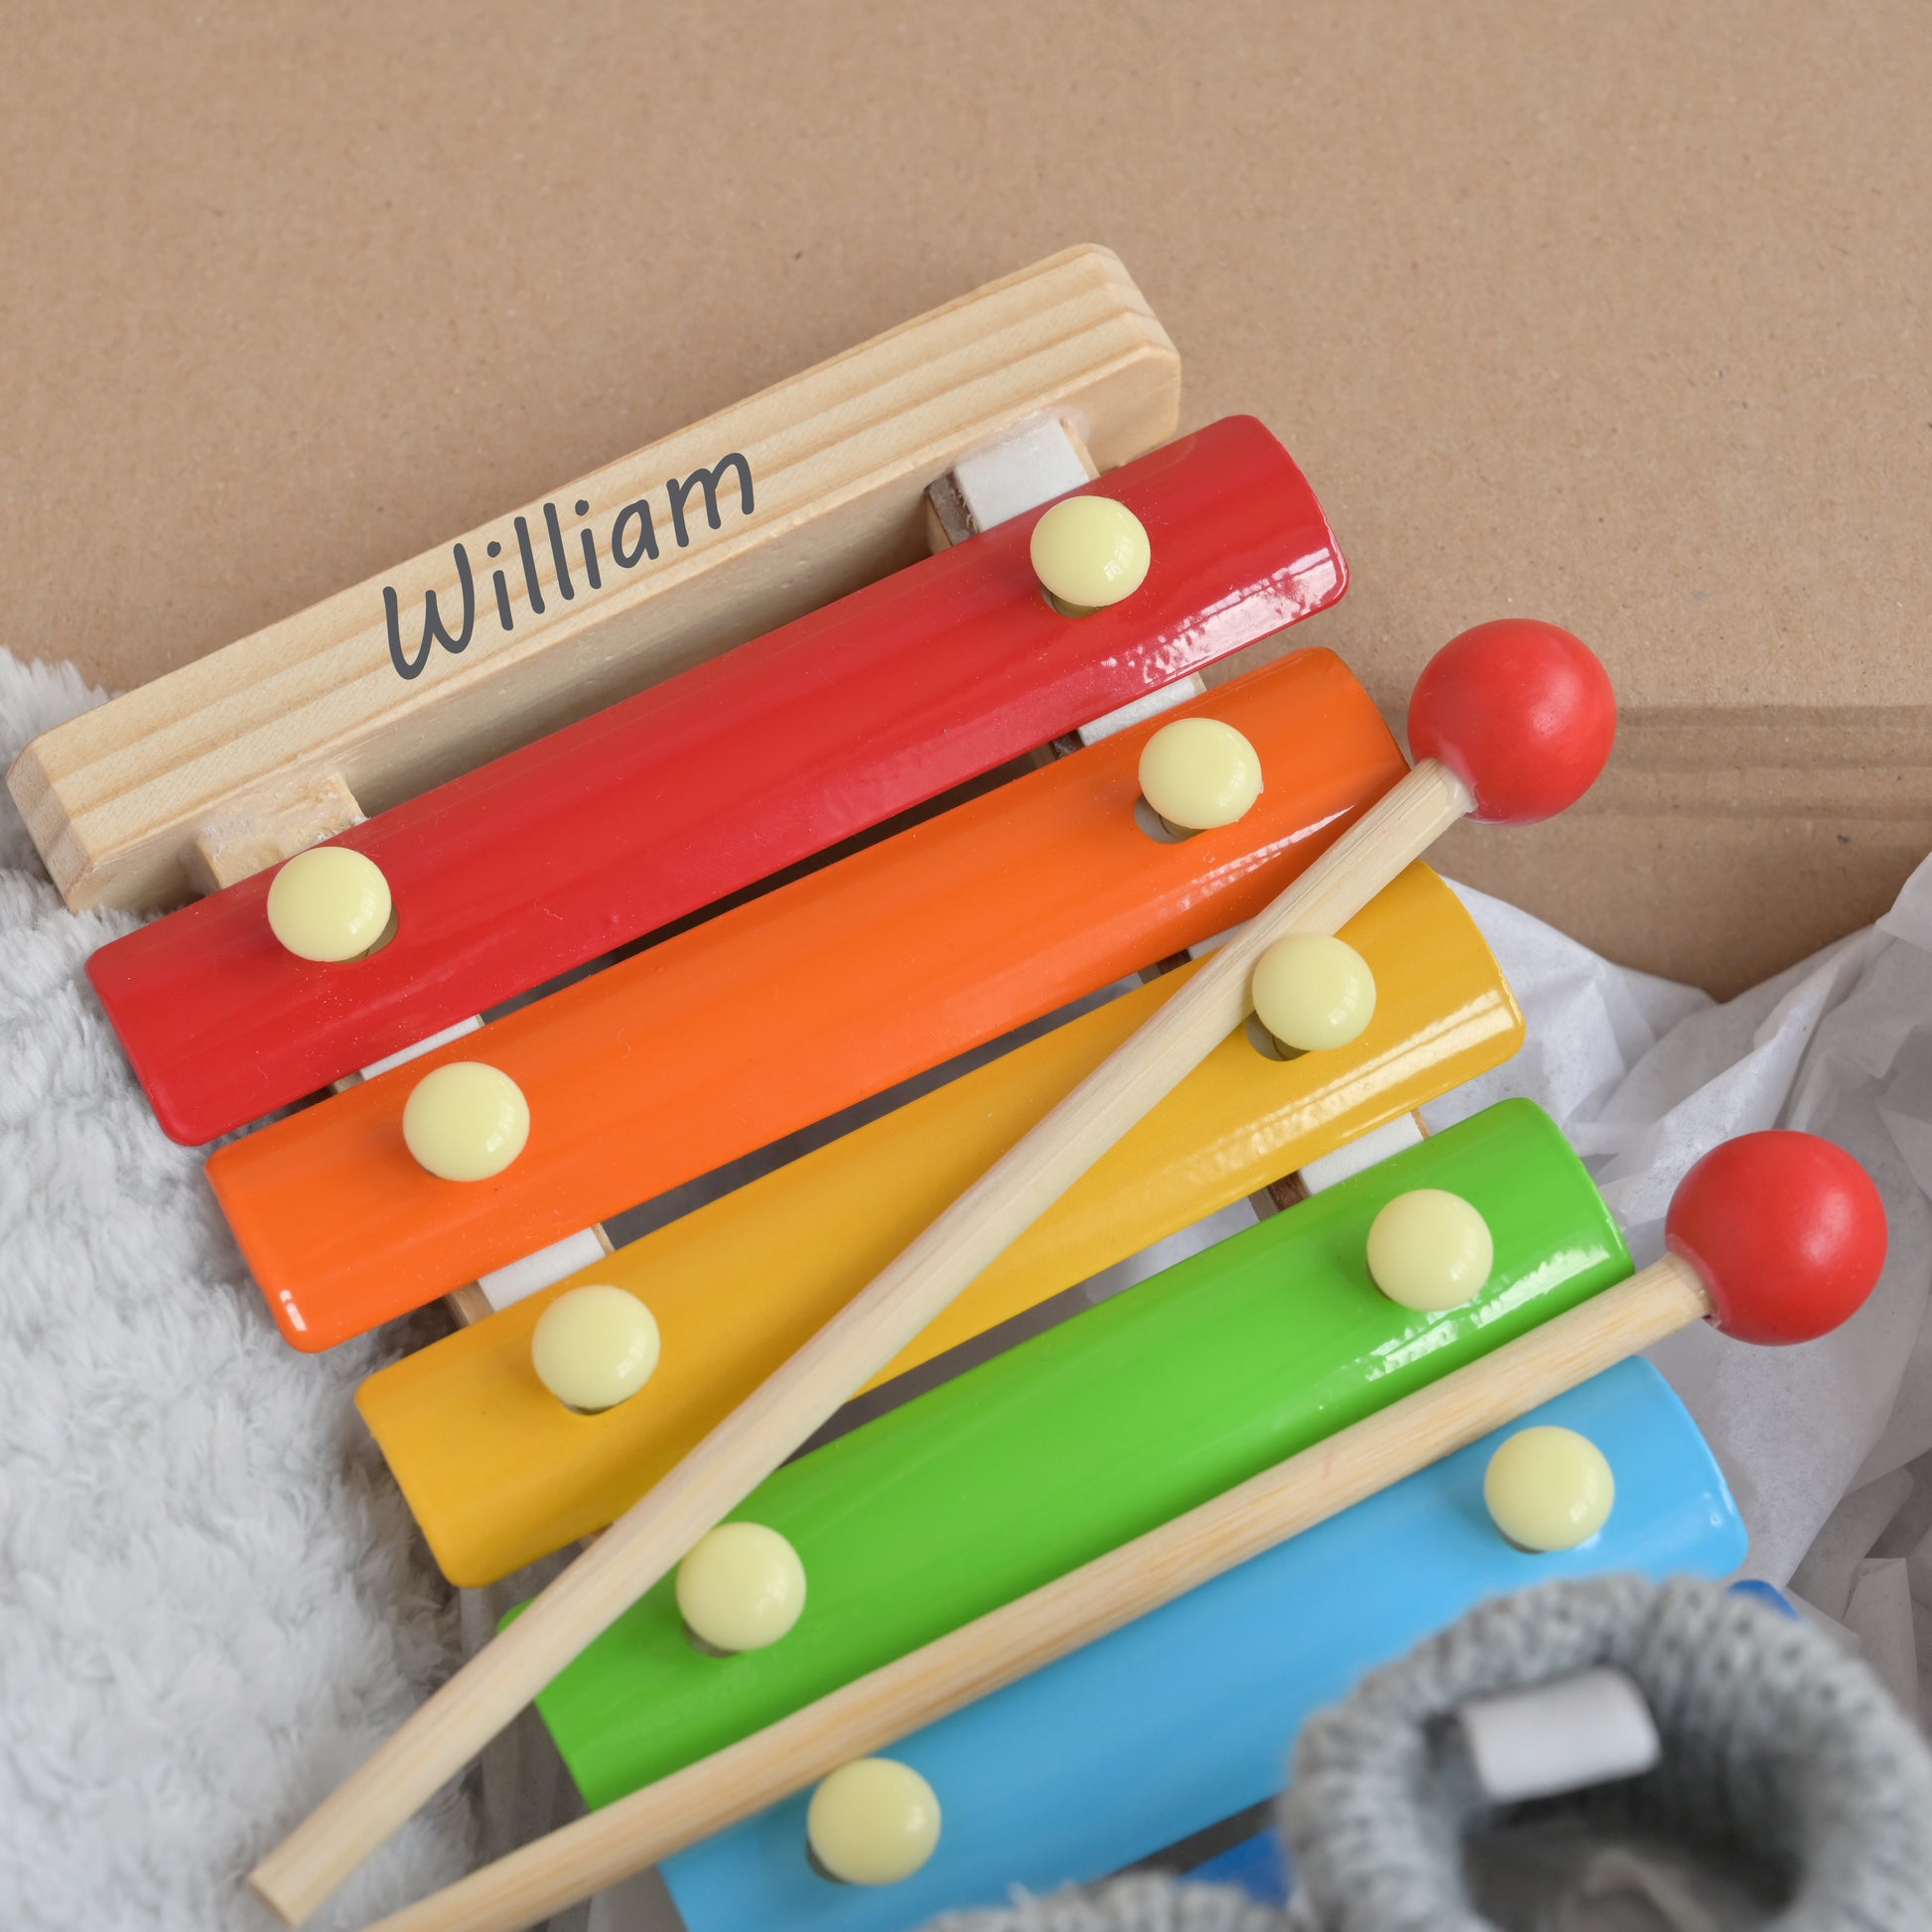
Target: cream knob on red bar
(1548, 1489)
(741, 1587)
(1089, 552)
(1199, 773)
(872, 1822)
(329, 903)
(1429, 1250)
(594, 1346)
(1311, 991)
(465, 1121)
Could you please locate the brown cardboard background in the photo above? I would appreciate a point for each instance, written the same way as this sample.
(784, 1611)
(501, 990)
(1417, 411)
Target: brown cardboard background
(1614, 314)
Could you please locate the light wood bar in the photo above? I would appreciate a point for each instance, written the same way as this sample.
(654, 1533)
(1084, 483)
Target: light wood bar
(264, 747)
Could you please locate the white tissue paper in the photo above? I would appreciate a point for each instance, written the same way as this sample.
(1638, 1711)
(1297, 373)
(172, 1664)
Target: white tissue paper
(1828, 1447)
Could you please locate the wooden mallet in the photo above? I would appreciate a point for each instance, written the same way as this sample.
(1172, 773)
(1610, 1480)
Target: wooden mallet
(1510, 723)
(1774, 1237)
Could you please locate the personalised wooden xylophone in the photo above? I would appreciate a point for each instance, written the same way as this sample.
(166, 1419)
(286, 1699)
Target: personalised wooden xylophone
(699, 851)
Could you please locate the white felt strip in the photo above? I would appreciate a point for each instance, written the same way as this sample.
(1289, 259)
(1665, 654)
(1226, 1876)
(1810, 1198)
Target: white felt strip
(543, 1269)
(1030, 467)
(1564, 1737)
(404, 1054)
(1376, 1145)
(1150, 705)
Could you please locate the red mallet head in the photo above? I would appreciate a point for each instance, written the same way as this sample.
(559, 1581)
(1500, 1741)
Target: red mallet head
(1786, 1232)
(1521, 712)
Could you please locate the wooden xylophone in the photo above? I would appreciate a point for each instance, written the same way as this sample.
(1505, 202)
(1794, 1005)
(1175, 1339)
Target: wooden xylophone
(686, 862)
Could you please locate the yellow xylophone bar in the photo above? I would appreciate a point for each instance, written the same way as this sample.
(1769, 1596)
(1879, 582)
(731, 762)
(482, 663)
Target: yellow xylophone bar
(499, 1472)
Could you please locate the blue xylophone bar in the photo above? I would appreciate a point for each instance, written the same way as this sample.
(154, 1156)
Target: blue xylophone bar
(1185, 1717)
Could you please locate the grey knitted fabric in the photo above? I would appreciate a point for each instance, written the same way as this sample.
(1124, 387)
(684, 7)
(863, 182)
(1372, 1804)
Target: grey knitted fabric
(1780, 1754)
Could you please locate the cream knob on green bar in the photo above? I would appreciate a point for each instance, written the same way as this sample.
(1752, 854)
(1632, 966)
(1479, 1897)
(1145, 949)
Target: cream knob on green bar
(329, 903)
(741, 1588)
(1197, 773)
(465, 1121)
(1313, 992)
(594, 1348)
(872, 1822)
(1089, 552)
(1429, 1250)
(1548, 1489)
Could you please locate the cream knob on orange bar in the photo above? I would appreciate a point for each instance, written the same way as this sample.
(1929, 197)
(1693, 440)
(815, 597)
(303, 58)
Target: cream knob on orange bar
(329, 903)
(465, 1121)
(1313, 991)
(1197, 773)
(1429, 1250)
(1548, 1489)
(594, 1348)
(1089, 552)
(872, 1822)
(741, 1587)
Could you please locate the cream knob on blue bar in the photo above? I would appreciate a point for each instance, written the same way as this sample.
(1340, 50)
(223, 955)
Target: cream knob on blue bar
(1429, 1250)
(1089, 552)
(465, 1121)
(594, 1348)
(872, 1822)
(1548, 1489)
(1313, 992)
(1197, 773)
(741, 1588)
(329, 903)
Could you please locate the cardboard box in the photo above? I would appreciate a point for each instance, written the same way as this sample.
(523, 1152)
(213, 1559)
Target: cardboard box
(1616, 316)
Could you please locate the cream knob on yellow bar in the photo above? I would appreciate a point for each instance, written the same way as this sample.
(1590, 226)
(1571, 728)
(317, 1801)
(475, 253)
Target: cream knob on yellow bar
(1429, 1250)
(329, 903)
(872, 1822)
(594, 1348)
(1313, 992)
(1548, 1489)
(741, 1588)
(1089, 552)
(465, 1121)
(1197, 773)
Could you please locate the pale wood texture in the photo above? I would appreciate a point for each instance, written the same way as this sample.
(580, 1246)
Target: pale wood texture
(441, 1737)
(468, 1305)
(244, 839)
(1026, 1635)
(840, 456)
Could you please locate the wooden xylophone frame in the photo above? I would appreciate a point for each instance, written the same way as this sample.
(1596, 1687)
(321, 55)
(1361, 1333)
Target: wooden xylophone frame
(934, 433)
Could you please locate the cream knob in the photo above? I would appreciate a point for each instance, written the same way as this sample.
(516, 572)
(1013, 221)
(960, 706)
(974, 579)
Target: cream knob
(329, 903)
(465, 1121)
(1198, 772)
(1089, 552)
(1313, 992)
(872, 1822)
(1548, 1489)
(1429, 1250)
(594, 1348)
(741, 1588)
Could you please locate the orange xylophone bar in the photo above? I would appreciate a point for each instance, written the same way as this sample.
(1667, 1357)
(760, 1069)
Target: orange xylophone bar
(783, 1010)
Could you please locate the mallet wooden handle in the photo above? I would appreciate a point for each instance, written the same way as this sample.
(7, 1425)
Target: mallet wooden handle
(1511, 722)
(1775, 1237)
(1008, 1643)
(441, 1737)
